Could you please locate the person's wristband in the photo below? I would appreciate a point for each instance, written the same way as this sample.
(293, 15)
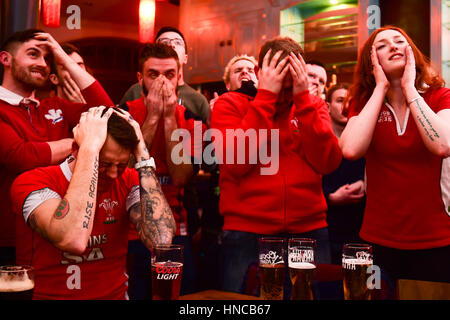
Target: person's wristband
(415, 99)
(145, 163)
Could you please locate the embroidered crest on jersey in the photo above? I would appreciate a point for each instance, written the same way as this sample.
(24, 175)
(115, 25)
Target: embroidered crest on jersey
(54, 115)
(109, 205)
(385, 116)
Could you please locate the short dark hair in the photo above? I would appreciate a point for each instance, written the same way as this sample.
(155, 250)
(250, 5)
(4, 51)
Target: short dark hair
(157, 50)
(285, 44)
(171, 29)
(316, 63)
(69, 49)
(121, 131)
(19, 37)
(335, 88)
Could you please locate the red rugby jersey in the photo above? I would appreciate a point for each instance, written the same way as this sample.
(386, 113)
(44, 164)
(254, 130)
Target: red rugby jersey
(407, 185)
(100, 272)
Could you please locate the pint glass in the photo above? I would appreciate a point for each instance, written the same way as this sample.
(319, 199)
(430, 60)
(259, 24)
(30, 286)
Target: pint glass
(16, 282)
(271, 267)
(167, 270)
(356, 259)
(302, 266)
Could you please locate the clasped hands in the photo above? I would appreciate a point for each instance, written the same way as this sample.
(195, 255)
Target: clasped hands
(161, 100)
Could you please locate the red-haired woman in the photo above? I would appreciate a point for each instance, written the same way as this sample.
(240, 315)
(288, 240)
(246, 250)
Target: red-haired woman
(399, 119)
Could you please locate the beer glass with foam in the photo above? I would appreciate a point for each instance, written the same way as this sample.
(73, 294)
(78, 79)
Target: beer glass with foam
(16, 282)
(167, 270)
(357, 261)
(271, 267)
(302, 266)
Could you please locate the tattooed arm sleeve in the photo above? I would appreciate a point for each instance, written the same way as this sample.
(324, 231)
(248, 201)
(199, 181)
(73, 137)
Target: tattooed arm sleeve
(67, 222)
(153, 218)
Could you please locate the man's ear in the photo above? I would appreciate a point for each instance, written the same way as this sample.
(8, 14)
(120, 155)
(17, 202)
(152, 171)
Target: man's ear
(185, 59)
(54, 79)
(329, 106)
(139, 77)
(5, 58)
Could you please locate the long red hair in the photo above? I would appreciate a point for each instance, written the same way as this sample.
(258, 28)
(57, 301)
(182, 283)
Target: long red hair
(364, 81)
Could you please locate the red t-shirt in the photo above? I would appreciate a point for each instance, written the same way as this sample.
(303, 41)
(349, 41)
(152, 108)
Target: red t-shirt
(100, 272)
(405, 208)
(24, 137)
(173, 194)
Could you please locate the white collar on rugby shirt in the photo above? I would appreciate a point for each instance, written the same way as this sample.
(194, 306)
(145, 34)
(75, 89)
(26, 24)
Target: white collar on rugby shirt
(66, 169)
(14, 98)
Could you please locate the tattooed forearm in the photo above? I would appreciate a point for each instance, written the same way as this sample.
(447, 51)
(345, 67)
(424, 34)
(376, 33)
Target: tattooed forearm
(93, 185)
(430, 132)
(153, 219)
(62, 210)
(92, 194)
(89, 206)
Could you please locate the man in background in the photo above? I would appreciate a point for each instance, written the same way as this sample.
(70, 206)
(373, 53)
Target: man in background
(317, 78)
(192, 100)
(64, 85)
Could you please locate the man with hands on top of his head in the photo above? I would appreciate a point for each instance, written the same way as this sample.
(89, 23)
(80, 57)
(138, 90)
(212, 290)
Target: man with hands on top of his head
(79, 212)
(35, 132)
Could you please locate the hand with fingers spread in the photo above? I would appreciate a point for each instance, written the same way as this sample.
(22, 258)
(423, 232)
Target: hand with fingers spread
(47, 40)
(297, 68)
(91, 131)
(81, 77)
(141, 151)
(270, 74)
(71, 89)
(377, 71)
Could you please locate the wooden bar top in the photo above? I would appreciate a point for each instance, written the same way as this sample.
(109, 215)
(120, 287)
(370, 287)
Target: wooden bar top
(217, 295)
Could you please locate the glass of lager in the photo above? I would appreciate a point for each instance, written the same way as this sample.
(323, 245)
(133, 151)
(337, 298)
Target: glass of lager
(167, 270)
(271, 267)
(356, 260)
(16, 282)
(302, 266)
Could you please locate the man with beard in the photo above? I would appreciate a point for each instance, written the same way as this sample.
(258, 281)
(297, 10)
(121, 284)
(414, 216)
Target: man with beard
(160, 116)
(79, 211)
(35, 133)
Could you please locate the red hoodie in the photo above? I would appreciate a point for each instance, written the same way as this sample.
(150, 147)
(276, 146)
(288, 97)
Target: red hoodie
(291, 200)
